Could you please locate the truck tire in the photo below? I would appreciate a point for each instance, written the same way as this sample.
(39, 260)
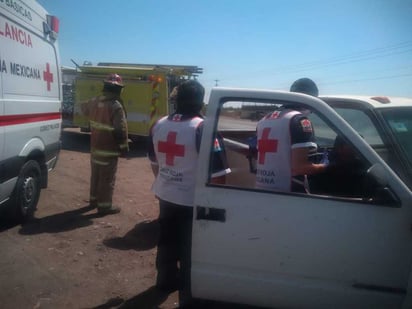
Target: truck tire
(26, 193)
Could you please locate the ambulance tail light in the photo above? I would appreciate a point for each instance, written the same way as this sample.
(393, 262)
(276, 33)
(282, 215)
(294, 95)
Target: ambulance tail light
(51, 28)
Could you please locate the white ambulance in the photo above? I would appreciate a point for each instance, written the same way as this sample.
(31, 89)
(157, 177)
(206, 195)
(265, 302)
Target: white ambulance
(30, 103)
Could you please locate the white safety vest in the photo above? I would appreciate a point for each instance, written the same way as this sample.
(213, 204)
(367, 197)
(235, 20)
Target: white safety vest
(175, 148)
(274, 168)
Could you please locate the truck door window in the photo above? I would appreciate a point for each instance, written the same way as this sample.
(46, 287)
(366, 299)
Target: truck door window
(345, 178)
(237, 126)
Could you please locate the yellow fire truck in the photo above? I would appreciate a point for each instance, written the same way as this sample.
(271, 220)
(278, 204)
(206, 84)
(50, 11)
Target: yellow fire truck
(145, 96)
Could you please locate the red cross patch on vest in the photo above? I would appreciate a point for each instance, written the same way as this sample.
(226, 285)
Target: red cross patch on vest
(177, 117)
(306, 125)
(266, 145)
(274, 115)
(171, 148)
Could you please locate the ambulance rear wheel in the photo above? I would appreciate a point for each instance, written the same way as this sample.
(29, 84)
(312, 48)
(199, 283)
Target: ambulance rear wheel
(27, 191)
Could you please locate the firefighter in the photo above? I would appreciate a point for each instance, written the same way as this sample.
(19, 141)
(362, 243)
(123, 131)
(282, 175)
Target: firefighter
(109, 140)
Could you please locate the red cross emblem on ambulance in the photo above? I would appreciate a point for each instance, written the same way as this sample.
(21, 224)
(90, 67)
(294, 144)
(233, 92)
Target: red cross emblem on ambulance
(48, 76)
(171, 148)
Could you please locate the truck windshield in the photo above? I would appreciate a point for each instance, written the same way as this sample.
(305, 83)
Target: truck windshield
(400, 123)
(361, 122)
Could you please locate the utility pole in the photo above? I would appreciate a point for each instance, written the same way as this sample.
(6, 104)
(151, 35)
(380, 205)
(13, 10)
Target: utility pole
(216, 82)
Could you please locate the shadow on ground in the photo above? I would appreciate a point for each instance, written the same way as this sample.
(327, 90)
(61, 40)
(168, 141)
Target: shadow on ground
(6, 224)
(142, 237)
(60, 222)
(152, 298)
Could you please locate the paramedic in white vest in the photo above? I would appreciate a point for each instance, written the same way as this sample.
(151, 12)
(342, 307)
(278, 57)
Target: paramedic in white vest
(173, 152)
(285, 140)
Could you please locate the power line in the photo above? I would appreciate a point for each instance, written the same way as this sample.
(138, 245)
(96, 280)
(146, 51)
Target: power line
(385, 51)
(366, 79)
(372, 74)
(359, 56)
(354, 60)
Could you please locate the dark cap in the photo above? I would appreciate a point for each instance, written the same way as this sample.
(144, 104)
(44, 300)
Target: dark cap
(305, 85)
(189, 97)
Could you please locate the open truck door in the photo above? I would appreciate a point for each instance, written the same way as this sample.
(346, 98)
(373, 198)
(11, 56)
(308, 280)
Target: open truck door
(295, 250)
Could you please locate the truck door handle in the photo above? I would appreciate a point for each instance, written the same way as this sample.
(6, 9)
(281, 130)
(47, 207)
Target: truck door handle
(210, 214)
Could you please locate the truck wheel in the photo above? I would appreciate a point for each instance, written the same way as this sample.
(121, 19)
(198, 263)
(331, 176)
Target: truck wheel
(27, 192)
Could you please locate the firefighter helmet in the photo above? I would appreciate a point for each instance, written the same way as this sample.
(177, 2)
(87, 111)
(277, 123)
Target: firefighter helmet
(114, 79)
(305, 85)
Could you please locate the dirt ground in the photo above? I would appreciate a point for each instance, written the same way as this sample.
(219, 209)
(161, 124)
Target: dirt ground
(67, 257)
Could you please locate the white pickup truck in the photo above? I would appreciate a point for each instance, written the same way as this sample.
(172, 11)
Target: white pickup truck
(327, 249)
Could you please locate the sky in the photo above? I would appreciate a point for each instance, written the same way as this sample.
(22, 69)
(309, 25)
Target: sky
(359, 47)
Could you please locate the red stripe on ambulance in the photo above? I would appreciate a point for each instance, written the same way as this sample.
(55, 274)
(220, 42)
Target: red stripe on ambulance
(10, 120)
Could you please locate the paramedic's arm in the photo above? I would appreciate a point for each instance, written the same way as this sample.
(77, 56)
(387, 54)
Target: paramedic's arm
(219, 162)
(303, 143)
(152, 156)
(220, 167)
(301, 164)
(155, 168)
(221, 180)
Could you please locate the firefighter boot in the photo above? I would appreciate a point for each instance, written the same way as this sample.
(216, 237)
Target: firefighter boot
(108, 211)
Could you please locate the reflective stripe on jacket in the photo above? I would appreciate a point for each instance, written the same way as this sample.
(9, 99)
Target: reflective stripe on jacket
(108, 126)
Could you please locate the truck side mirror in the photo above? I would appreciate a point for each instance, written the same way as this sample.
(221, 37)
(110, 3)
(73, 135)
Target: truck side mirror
(378, 187)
